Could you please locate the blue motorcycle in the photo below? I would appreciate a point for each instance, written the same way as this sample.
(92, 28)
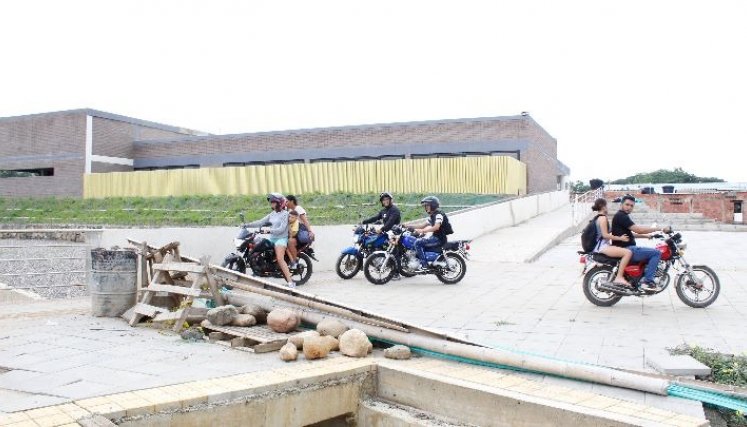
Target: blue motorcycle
(448, 263)
(366, 240)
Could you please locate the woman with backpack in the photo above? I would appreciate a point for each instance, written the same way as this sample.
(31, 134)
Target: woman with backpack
(604, 242)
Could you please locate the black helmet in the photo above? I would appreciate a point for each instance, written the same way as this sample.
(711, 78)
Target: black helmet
(431, 201)
(386, 194)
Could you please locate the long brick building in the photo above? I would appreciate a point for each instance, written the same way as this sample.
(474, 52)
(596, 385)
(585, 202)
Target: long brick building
(48, 154)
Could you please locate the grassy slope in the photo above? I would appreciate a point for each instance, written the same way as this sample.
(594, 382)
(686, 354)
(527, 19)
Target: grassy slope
(209, 210)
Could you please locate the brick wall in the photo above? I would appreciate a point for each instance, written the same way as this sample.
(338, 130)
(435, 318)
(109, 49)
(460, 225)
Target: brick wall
(54, 140)
(718, 206)
(116, 138)
(98, 167)
(540, 157)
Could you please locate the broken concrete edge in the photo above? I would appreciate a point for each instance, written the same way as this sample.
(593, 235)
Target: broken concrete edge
(677, 365)
(191, 396)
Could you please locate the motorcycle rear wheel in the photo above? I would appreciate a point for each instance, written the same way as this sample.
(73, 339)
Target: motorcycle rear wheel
(687, 289)
(592, 279)
(376, 271)
(454, 271)
(348, 265)
(302, 273)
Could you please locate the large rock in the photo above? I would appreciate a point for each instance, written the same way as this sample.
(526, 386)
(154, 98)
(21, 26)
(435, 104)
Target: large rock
(355, 343)
(315, 348)
(244, 320)
(331, 327)
(255, 311)
(222, 315)
(298, 339)
(399, 352)
(283, 320)
(332, 342)
(288, 352)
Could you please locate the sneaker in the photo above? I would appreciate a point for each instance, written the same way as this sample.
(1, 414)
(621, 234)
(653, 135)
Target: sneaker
(293, 265)
(396, 277)
(291, 284)
(650, 286)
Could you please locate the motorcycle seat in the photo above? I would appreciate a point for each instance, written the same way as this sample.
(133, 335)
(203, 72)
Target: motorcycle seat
(604, 259)
(451, 246)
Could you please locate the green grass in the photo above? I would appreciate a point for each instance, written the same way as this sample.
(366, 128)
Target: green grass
(323, 209)
(726, 369)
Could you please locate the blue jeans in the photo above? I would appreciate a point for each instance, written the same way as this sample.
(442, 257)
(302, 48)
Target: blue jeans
(650, 255)
(426, 242)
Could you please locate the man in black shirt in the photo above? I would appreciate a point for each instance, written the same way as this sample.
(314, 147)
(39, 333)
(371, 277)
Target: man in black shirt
(623, 225)
(389, 215)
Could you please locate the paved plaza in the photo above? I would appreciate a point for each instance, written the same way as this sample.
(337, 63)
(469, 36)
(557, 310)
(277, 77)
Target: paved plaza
(54, 352)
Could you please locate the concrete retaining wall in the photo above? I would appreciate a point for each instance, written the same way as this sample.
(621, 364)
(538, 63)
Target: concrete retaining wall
(218, 241)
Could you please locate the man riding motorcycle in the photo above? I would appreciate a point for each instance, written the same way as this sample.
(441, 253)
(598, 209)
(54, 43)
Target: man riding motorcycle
(389, 215)
(278, 221)
(438, 224)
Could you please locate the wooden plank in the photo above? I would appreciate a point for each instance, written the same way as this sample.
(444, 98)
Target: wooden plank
(205, 261)
(181, 290)
(144, 309)
(268, 347)
(261, 334)
(168, 315)
(180, 266)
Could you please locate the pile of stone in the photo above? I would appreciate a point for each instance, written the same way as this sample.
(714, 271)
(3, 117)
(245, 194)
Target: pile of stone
(330, 335)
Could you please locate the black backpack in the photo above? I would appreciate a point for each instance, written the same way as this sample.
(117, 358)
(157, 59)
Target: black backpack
(589, 238)
(446, 227)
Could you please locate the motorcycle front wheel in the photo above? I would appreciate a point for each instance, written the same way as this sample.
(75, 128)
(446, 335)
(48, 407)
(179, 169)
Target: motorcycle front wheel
(235, 264)
(595, 277)
(348, 265)
(454, 271)
(700, 289)
(302, 273)
(378, 269)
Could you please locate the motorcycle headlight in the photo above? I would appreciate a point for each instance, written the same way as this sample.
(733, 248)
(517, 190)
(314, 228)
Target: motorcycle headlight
(682, 246)
(238, 242)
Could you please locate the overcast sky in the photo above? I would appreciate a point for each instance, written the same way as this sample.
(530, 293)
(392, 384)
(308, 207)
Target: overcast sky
(625, 86)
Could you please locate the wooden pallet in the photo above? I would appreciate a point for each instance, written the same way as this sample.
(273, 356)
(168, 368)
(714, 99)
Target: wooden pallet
(260, 338)
(163, 282)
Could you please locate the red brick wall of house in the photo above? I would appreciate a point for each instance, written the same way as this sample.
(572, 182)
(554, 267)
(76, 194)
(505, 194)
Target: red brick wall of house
(718, 206)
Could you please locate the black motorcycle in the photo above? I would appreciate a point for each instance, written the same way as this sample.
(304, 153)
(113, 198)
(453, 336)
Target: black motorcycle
(258, 253)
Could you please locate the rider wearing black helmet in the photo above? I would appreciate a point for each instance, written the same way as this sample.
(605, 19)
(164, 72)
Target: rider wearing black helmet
(438, 224)
(389, 215)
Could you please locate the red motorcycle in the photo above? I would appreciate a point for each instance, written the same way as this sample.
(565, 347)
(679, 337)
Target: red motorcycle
(696, 285)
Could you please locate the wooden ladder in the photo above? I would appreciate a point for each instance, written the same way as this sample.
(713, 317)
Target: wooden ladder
(163, 282)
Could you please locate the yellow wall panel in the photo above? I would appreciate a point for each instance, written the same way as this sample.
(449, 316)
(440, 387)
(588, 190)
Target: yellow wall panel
(479, 174)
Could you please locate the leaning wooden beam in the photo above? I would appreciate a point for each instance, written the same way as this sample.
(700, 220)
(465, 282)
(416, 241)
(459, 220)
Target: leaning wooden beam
(596, 374)
(315, 305)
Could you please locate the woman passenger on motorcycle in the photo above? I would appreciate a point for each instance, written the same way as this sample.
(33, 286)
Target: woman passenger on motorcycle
(604, 242)
(278, 221)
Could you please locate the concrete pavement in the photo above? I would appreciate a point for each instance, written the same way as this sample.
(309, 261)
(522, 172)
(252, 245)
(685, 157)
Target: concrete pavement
(58, 353)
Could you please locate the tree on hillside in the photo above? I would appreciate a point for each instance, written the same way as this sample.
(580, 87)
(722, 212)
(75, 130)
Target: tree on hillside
(665, 176)
(580, 187)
